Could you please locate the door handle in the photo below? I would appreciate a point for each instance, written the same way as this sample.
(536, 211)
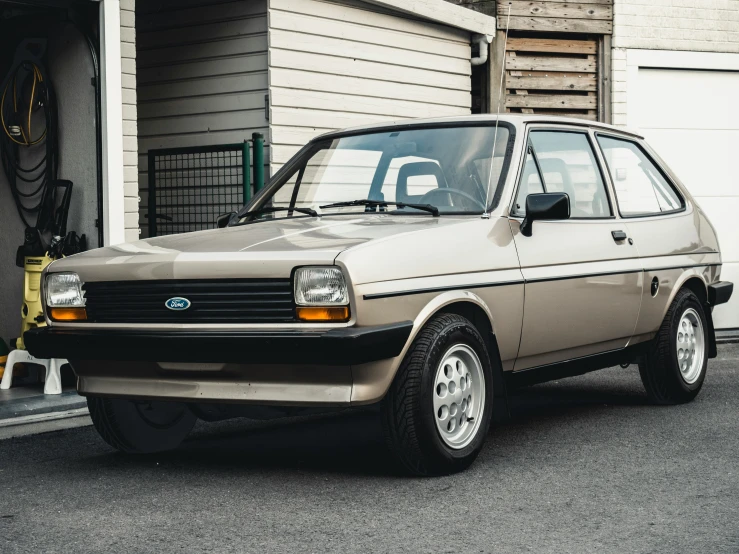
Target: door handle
(618, 236)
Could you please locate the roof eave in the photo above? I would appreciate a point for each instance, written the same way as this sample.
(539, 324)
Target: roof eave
(444, 13)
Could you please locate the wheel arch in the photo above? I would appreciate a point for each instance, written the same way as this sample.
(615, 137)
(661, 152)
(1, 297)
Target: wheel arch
(368, 388)
(478, 316)
(695, 283)
(466, 304)
(471, 307)
(461, 302)
(698, 286)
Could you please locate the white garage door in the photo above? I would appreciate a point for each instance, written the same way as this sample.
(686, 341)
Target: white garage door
(691, 118)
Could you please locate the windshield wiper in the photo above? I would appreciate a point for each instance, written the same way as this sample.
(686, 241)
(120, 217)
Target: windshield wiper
(270, 210)
(383, 204)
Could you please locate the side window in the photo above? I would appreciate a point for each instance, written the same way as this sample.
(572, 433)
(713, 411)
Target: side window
(568, 164)
(641, 188)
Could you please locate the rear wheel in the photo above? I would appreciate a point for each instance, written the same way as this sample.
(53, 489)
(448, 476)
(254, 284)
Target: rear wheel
(140, 427)
(675, 366)
(438, 410)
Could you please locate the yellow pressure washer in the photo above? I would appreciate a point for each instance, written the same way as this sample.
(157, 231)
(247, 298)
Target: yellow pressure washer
(4, 351)
(38, 251)
(32, 310)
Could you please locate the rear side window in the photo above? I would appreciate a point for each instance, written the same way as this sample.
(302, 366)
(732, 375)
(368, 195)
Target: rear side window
(641, 188)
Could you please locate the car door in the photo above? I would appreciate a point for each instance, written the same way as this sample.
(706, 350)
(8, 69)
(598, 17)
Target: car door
(583, 277)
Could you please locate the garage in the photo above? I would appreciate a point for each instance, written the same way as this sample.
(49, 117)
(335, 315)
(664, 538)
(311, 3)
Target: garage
(685, 105)
(51, 153)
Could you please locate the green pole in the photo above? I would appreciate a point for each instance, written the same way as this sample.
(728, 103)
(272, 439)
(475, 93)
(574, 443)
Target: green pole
(258, 142)
(245, 171)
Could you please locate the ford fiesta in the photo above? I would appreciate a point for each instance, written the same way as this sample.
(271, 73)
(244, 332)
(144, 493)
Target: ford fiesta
(422, 267)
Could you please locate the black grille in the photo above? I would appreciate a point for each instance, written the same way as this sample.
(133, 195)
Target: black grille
(221, 301)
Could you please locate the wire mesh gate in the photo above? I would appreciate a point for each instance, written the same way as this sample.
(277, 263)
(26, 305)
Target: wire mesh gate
(190, 187)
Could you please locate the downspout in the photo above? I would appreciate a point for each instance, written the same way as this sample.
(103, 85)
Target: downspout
(482, 41)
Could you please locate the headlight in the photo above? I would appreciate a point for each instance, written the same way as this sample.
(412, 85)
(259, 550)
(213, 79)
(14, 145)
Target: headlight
(321, 294)
(64, 290)
(65, 299)
(320, 286)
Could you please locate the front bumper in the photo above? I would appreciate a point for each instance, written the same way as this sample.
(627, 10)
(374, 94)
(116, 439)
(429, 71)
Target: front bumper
(335, 347)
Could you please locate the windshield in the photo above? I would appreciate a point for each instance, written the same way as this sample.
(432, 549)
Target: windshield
(452, 170)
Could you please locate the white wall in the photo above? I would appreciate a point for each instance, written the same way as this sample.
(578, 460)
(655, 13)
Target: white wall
(340, 64)
(130, 144)
(698, 25)
(202, 75)
(684, 25)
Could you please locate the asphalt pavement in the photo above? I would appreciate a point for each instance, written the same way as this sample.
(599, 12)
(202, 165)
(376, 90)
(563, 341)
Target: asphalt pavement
(584, 465)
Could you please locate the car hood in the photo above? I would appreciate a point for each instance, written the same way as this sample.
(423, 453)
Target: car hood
(265, 249)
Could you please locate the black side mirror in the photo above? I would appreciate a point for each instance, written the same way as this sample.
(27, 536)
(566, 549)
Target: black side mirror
(224, 219)
(547, 206)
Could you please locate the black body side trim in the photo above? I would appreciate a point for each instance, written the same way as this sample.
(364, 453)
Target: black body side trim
(344, 346)
(646, 270)
(720, 293)
(577, 366)
(652, 269)
(440, 289)
(582, 276)
(520, 282)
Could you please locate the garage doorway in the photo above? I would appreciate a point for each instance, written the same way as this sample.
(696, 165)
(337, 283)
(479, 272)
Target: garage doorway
(685, 105)
(51, 129)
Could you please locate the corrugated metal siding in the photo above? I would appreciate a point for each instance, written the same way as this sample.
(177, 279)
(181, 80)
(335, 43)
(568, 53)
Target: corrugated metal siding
(339, 64)
(202, 75)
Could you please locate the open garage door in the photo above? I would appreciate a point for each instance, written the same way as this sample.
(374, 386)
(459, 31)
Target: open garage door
(691, 118)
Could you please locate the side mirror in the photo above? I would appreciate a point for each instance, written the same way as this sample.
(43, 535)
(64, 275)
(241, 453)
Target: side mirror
(224, 219)
(547, 206)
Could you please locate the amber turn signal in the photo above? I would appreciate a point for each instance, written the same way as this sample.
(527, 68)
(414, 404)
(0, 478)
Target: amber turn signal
(67, 314)
(319, 314)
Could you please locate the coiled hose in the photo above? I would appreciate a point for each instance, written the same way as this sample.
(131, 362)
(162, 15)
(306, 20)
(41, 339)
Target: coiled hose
(28, 185)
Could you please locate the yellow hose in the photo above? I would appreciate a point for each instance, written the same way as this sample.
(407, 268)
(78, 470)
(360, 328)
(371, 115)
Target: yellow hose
(37, 78)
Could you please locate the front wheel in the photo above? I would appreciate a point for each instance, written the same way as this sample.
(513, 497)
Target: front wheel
(674, 367)
(139, 426)
(438, 410)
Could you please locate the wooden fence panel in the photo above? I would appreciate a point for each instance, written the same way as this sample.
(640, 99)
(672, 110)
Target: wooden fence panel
(555, 76)
(581, 16)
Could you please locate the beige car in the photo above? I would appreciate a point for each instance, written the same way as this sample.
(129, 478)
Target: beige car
(423, 267)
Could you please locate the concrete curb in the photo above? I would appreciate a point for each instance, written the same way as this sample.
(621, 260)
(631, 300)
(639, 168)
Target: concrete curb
(727, 337)
(40, 404)
(43, 423)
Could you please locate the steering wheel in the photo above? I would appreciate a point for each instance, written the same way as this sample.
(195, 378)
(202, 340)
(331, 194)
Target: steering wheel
(425, 198)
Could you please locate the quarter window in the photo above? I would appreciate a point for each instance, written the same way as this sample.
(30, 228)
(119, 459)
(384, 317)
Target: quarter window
(641, 188)
(563, 161)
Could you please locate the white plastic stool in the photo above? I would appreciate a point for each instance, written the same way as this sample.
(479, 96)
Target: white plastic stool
(53, 382)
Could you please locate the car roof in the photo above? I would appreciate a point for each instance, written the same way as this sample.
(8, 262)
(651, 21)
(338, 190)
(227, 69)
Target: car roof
(516, 119)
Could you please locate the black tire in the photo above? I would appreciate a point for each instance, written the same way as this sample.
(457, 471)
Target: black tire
(140, 427)
(660, 369)
(407, 410)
